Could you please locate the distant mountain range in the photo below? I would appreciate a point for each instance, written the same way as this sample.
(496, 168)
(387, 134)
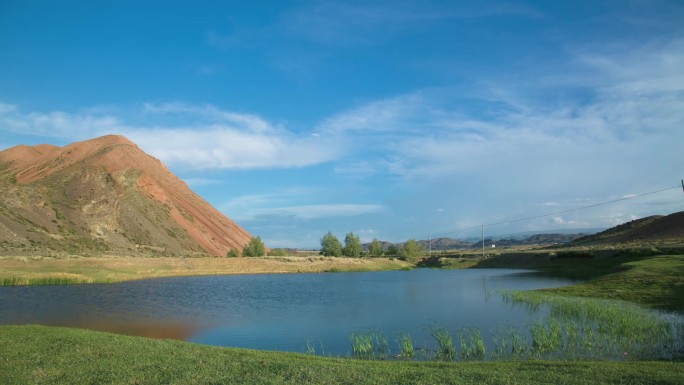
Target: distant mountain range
(657, 228)
(104, 196)
(442, 244)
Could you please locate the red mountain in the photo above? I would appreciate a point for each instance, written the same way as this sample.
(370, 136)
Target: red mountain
(104, 196)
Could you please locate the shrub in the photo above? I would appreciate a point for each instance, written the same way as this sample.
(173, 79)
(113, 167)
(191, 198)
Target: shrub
(255, 248)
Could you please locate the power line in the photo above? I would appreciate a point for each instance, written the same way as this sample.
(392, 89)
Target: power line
(566, 211)
(581, 208)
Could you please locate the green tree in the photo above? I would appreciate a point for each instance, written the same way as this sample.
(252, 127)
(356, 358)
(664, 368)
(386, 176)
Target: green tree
(375, 248)
(330, 245)
(255, 248)
(411, 251)
(232, 253)
(392, 251)
(352, 246)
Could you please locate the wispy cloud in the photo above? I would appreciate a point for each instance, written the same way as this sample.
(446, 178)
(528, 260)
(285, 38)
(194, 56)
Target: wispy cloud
(628, 112)
(57, 124)
(260, 208)
(367, 235)
(326, 211)
(397, 114)
(344, 22)
(194, 137)
(360, 169)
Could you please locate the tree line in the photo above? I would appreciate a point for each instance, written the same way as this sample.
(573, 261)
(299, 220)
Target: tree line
(331, 247)
(409, 251)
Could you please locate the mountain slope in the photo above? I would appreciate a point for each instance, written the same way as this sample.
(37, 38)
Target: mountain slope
(653, 228)
(104, 195)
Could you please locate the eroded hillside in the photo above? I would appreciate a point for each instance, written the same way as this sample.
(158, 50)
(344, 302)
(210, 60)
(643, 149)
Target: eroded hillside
(104, 196)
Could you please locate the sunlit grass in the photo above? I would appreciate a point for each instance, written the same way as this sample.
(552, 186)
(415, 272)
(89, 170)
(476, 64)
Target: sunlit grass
(76, 270)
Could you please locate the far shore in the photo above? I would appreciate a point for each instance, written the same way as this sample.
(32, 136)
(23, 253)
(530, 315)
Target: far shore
(22, 270)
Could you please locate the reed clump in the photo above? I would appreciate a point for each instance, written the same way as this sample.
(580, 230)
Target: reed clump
(588, 328)
(25, 281)
(445, 350)
(570, 329)
(369, 345)
(405, 346)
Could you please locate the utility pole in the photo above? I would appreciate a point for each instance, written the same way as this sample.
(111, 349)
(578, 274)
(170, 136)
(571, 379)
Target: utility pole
(483, 241)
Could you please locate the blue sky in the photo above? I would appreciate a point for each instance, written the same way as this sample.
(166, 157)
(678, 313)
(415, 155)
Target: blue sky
(391, 119)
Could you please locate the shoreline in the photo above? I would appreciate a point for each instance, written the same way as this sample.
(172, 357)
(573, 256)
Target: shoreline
(55, 355)
(23, 271)
(125, 359)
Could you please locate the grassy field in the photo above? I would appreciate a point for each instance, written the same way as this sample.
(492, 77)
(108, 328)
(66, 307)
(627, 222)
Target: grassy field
(47, 270)
(43, 355)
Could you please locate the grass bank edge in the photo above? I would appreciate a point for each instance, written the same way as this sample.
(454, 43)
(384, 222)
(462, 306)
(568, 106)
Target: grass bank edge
(40, 354)
(651, 277)
(656, 282)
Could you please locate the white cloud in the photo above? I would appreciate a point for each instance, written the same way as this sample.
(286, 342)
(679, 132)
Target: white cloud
(186, 136)
(247, 207)
(209, 114)
(367, 235)
(610, 134)
(282, 203)
(224, 147)
(57, 124)
(359, 170)
(383, 115)
(561, 221)
(258, 209)
(325, 210)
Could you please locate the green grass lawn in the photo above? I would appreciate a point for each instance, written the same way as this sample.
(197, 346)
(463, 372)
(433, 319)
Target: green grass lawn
(48, 355)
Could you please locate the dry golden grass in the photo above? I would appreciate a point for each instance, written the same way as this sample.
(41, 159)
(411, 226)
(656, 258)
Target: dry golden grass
(29, 270)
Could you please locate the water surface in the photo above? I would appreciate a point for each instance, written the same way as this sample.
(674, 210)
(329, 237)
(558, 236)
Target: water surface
(283, 311)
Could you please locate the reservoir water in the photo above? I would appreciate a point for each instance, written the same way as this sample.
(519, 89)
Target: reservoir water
(283, 312)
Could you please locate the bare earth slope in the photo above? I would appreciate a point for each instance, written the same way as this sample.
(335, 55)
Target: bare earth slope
(104, 196)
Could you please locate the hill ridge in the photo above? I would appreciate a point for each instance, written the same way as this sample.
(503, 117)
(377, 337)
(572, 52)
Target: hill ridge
(651, 228)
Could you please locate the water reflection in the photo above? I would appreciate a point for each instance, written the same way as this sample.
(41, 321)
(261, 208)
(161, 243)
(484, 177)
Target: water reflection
(281, 312)
(158, 330)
